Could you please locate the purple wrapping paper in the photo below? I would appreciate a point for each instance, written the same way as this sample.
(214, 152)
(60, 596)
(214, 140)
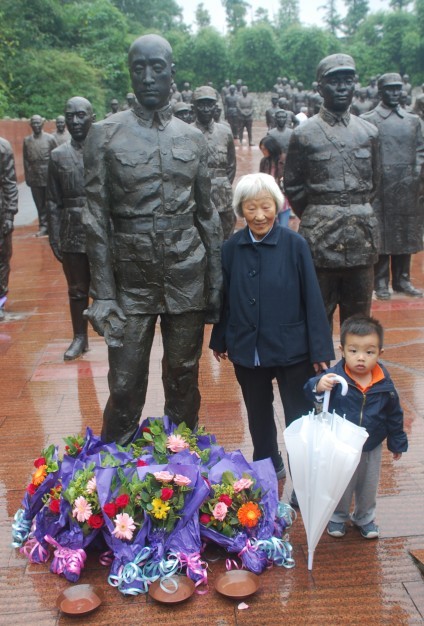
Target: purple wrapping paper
(264, 473)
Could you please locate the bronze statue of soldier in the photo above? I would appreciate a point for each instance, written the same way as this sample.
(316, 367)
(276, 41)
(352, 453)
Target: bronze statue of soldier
(65, 203)
(61, 134)
(331, 176)
(183, 111)
(153, 241)
(396, 205)
(281, 132)
(232, 114)
(8, 210)
(245, 107)
(114, 107)
(36, 154)
(221, 156)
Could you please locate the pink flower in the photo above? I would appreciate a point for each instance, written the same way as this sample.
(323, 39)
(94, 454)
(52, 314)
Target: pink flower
(243, 483)
(163, 477)
(220, 511)
(82, 509)
(176, 443)
(124, 526)
(91, 485)
(181, 481)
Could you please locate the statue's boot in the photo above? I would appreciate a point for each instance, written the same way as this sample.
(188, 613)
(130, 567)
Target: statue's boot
(401, 269)
(79, 343)
(381, 277)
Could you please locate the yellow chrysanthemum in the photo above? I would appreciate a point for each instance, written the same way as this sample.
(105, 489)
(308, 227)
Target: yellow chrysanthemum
(160, 508)
(249, 514)
(39, 475)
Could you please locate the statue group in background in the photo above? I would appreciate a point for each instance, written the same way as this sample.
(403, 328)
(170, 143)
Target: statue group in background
(36, 154)
(65, 203)
(153, 241)
(8, 210)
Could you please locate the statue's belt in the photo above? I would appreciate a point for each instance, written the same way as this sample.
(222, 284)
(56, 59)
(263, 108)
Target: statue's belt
(341, 198)
(156, 223)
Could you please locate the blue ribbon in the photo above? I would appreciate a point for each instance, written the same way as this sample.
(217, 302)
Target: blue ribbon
(286, 512)
(277, 550)
(131, 573)
(21, 528)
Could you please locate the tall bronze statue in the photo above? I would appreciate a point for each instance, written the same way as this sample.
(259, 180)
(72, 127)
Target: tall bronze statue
(221, 156)
(281, 132)
(245, 108)
(114, 107)
(61, 134)
(36, 153)
(331, 175)
(232, 114)
(65, 202)
(399, 213)
(153, 241)
(8, 209)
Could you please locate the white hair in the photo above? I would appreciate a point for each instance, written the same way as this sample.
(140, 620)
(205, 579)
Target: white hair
(251, 185)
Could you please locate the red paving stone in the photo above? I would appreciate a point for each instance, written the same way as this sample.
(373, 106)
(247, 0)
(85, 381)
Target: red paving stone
(43, 399)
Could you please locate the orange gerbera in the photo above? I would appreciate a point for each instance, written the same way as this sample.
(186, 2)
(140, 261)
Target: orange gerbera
(39, 475)
(249, 514)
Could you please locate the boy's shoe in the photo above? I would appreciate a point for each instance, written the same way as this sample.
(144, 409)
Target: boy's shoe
(336, 529)
(293, 500)
(369, 531)
(280, 471)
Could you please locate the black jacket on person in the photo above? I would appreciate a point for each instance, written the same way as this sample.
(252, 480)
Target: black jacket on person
(272, 302)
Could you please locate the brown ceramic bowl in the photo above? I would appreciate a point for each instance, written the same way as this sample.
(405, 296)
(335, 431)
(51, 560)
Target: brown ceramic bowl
(185, 588)
(79, 599)
(237, 584)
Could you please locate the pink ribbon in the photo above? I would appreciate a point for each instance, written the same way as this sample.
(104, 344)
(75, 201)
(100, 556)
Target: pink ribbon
(106, 558)
(246, 548)
(66, 559)
(33, 546)
(194, 564)
(230, 563)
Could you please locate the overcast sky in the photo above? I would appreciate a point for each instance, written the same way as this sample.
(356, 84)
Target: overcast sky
(309, 13)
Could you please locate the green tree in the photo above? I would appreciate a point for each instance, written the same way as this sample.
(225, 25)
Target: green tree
(236, 14)
(159, 15)
(357, 11)
(261, 15)
(208, 57)
(255, 56)
(302, 48)
(331, 17)
(288, 14)
(46, 79)
(399, 5)
(203, 17)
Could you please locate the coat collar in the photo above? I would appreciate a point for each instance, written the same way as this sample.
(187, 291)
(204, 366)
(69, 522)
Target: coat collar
(385, 112)
(271, 238)
(158, 117)
(332, 119)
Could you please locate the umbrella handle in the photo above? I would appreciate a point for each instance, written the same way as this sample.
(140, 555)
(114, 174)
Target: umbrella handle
(326, 402)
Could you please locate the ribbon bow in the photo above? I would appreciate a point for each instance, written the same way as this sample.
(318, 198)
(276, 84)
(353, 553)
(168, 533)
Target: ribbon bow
(21, 528)
(66, 560)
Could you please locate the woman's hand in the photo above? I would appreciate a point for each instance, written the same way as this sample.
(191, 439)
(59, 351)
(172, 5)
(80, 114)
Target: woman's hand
(220, 355)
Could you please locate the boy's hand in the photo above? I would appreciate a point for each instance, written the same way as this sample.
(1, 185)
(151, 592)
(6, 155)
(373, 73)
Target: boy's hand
(327, 382)
(396, 456)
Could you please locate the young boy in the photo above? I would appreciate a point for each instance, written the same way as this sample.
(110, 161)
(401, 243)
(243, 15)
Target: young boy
(371, 402)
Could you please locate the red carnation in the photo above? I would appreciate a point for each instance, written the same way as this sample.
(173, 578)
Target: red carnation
(146, 430)
(54, 506)
(205, 518)
(95, 521)
(166, 494)
(31, 489)
(40, 461)
(122, 501)
(226, 499)
(141, 463)
(110, 509)
(67, 448)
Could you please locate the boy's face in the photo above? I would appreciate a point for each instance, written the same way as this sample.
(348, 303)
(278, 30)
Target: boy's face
(361, 353)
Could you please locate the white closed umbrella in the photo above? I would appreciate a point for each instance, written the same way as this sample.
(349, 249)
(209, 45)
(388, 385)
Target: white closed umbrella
(324, 450)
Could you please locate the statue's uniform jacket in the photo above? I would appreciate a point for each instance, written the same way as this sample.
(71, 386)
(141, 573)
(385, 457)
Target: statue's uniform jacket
(331, 175)
(153, 237)
(402, 157)
(221, 164)
(66, 197)
(36, 153)
(8, 209)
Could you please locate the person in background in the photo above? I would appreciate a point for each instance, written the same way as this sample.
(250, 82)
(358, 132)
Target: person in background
(273, 322)
(8, 210)
(273, 163)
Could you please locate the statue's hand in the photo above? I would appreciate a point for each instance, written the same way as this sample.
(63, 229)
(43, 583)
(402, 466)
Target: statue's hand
(108, 320)
(7, 226)
(213, 310)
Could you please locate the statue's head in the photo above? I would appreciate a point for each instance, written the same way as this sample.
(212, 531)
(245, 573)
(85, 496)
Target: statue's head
(244, 90)
(390, 89)
(182, 110)
(60, 124)
(280, 118)
(114, 105)
(151, 70)
(36, 123)
(336, 81)
(79, 117)
(204, 102)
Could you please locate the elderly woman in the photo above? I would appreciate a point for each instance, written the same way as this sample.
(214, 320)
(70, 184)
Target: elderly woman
(273, 322)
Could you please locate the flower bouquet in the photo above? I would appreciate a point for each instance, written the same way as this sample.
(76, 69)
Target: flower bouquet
(240, 512)
(125, 528)
(171, 495)
(43, 479)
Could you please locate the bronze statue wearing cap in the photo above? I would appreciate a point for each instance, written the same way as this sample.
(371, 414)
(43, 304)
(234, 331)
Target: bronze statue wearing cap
(396, 205)
(331, 176)
(221, 156)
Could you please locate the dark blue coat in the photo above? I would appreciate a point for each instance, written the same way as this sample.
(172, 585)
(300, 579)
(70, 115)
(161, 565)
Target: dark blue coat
(378, 409)
(272, 301)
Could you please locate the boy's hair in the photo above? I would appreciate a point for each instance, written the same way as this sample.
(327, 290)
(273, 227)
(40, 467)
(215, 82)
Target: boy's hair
(361, 325)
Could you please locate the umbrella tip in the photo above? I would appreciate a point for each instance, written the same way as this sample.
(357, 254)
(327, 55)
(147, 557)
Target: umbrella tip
(310, 559)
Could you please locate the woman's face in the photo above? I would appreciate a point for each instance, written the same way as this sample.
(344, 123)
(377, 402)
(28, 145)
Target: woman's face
(260, 213)
(264, 150)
